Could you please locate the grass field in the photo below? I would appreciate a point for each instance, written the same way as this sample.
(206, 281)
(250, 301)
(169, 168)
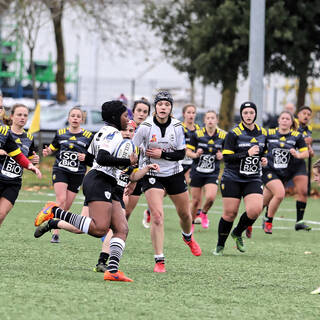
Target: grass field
(273, 280)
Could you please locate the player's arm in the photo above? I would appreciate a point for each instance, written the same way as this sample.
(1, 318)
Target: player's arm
(32, 155)
(302, 147)
(137, 174)
(14, 151)
(54, 146)
(191, 150)
(228, 152)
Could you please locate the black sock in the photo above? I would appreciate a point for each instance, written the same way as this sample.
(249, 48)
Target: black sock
(187, 237)
(103, 258)
(301, 206)
(53, 224)
(243, 224)
(198, 212)
(161, 260)
(204, 212)
(223, 231)
(269, 219)
(266, 213)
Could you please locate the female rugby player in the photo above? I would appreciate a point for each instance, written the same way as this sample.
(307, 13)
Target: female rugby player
(243, 152)
(163, 141)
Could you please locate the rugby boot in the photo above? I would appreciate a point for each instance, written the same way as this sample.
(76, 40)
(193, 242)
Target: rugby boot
(194, 247)
(55, 238)
(45, 213)
(268, 227)
(41, 230)
(159, 267)
(100, 267)
(249, 232)
(117, 276)
(204, 220)
(146, 219)
(300, 225)
(239, 242)
(218, 251)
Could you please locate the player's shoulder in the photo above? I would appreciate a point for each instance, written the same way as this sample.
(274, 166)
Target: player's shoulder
(62, 131)
(4, 129)
(221, 133)
(176, 122)
(86, 133)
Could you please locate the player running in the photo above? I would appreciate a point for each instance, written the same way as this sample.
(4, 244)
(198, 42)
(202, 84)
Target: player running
(243, 152)
(99, 189)
(163, 141)
(70, 145)
(16, 147)
(300, 178)
(205, 148)
(282, 144)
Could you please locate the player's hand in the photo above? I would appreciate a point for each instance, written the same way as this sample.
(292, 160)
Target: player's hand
(31, 167)
(153, 166)
(133, 158)
(264, 161)
(154, 153)
(311, 152)
(46, 151)
(219, 155)
(308, 140)
(3, 152)
(294, 153)
(199, 152)
(35, 159)
(254, 150)
(81, 156)
(129, 188)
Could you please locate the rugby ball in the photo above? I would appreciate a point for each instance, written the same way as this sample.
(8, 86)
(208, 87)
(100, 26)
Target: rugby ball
(124, 150)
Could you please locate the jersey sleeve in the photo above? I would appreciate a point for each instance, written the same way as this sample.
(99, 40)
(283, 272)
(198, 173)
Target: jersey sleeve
(139, 136)
(229, 143)
(192, 142)
(54, 145)
(11, 147)
(301, 144)
(31, 149)
(181, 140)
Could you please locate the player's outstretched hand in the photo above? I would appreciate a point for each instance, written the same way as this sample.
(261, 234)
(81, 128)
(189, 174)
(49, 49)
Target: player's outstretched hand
(46, 151)
(31, 167)
(35, 159)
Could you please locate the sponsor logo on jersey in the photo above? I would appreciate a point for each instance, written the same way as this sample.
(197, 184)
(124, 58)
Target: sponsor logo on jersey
(153, 138)
(110, 136)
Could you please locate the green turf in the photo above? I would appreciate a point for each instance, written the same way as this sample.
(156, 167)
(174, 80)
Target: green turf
(272, 280)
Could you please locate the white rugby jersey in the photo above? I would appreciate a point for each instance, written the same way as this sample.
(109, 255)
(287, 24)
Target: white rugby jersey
(149, 136)
(107, 138)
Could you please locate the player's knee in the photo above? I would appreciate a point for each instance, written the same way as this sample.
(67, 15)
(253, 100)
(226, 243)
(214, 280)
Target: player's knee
(157, 219)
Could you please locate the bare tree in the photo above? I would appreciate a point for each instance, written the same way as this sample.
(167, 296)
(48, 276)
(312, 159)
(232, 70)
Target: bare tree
(28, 16)
(106, 18)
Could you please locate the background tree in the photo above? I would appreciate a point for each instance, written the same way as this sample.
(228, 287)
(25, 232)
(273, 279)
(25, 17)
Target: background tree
(28, 16)
(102, 17)
(172, 23)
(208, 39)
(293, 41)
